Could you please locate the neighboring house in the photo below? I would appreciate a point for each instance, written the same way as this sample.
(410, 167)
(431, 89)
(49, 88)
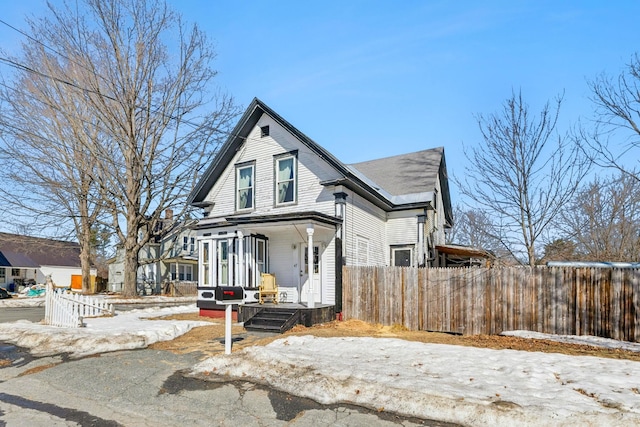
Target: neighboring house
(272, 193)
(171, 256)
(26, 258)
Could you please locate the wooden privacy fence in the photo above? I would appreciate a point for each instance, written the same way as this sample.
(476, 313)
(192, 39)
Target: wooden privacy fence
(180, 288)
(603, 302)
(67, 310)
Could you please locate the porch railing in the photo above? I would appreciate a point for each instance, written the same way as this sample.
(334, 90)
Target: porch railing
(67, 310)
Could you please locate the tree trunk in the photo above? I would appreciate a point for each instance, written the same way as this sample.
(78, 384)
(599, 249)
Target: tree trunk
(85, 264)
(130, 270)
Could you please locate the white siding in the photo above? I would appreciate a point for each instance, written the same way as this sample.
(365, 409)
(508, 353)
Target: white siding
(328, 272)
(368, 221)
(261, 150)
(436, 220)
(61, 276)
(403, 230)
(282, 257)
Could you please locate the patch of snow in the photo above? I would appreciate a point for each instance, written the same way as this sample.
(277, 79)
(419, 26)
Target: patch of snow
(472, 386)
(124, 331)
(466, 385)
(24, 301)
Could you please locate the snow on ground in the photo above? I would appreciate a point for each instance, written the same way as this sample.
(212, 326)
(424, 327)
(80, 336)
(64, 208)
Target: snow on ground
(126, 330)
(471, 386)
(23, 301)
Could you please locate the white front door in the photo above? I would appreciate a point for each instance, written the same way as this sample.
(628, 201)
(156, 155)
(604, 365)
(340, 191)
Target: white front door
(304, 274)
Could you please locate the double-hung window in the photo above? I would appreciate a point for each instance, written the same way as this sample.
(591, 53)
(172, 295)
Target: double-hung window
(286, 176)
(245, 183)
(185, 272)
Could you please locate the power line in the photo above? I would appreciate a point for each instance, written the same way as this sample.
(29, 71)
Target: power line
(151, 110)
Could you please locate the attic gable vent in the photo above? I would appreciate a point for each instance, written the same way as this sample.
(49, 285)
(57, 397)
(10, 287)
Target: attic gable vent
(264, 131)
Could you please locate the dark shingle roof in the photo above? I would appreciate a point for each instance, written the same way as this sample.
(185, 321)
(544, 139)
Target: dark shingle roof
(406, 173)
(29, 252)
(373, 180)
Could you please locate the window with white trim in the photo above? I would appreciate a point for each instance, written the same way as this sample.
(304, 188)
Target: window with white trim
(205, 266)
(286, 174)
(245, 187)
(223, 263)
(261, 255)
(402, 256)
(188, 244)
(362, 251)
(185, 272)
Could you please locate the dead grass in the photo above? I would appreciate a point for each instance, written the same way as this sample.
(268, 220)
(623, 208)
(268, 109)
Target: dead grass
(207, 339)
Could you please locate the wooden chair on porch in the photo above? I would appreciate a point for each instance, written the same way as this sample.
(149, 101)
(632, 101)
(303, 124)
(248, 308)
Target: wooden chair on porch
(268, 288)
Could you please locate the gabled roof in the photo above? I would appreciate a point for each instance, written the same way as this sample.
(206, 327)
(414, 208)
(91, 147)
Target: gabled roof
(409, 174)
(362, 177)
(32, 252)
(405, 173)
(238, 136)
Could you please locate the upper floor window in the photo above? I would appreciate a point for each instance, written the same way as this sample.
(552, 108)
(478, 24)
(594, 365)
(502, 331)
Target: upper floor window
(244, 187)
(286, 174)
(264, 131)
(188, 244)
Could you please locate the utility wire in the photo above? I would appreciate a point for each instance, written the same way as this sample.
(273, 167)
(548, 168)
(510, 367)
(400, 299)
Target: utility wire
(26, 68)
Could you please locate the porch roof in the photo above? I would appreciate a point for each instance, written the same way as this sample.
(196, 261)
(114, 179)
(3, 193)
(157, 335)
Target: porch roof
(286, 218)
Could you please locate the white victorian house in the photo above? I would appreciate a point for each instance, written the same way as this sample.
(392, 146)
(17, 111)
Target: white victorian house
(275, 201)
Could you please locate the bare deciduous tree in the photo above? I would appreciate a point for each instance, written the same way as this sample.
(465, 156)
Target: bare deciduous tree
(144, 80)
(616, 139)
(523, 174)
(561, 250)
(604, 219)
(473, 227)
(46, 132)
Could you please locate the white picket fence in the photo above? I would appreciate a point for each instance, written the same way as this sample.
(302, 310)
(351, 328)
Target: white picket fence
(67, 310)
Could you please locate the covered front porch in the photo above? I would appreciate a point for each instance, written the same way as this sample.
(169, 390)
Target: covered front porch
(238, 250)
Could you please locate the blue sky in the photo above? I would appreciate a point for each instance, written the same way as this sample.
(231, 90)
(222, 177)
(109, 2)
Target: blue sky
(370, 79)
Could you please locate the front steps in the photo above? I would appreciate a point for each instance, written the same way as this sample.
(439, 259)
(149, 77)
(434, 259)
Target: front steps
(273, 319)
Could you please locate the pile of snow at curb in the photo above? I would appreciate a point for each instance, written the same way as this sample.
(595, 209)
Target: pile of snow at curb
(125, 331)
(467, 385)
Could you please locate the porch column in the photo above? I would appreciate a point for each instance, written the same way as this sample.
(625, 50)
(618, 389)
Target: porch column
(311, 301)
(240, 281)
(421, 247)
(341, 210)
